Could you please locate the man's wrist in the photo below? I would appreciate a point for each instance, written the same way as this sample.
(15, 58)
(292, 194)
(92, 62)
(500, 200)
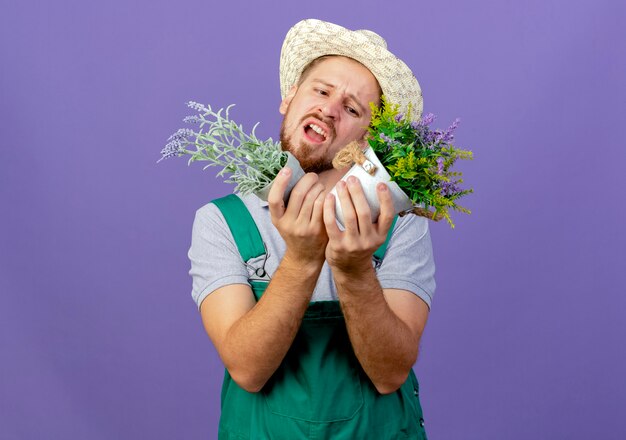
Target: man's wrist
(301, 265)
(356, 272)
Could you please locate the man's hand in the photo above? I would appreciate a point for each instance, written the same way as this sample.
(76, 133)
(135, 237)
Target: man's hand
(252, 337)
(301, 222)
(384, 326)
(351, 250)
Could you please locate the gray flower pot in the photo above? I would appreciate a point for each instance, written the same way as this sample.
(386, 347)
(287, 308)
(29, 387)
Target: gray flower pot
(296, 174)
(401, 201)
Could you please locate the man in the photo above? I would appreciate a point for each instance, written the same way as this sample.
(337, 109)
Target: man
(318, 339)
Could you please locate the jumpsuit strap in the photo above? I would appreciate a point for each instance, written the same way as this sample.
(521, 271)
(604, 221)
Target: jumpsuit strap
(242, 226)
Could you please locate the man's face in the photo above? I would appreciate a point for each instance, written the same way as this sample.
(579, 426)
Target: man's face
(327, 111)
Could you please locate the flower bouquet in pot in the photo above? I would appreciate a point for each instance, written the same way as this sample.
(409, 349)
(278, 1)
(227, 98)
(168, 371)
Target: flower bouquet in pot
(252, 164)
(414, 160)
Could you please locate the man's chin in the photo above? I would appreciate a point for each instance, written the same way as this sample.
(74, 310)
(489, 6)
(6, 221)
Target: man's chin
(312, 164)
(317, 167)
(305, 154)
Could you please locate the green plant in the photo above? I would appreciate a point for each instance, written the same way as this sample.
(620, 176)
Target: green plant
(251, 163)
(419, 159)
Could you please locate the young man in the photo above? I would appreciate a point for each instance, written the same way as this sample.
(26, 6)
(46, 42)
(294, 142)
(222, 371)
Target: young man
(318, 338)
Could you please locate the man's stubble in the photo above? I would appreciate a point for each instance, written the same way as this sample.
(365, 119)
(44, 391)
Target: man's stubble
(305, 150)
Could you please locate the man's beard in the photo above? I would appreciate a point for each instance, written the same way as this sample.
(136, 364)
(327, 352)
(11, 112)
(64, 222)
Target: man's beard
(304, 153)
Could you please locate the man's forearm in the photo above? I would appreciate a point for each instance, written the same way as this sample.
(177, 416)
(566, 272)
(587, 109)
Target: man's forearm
(256, 344)
(384, 345)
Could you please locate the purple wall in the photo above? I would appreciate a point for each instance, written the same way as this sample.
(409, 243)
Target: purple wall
(99, 337)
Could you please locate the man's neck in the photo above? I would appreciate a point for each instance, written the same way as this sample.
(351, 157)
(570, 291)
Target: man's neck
(330, 177)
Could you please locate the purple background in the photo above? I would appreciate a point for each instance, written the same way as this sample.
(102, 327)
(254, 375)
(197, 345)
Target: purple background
(99, 337)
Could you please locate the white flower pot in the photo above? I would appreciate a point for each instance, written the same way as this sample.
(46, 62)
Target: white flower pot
(296, 174)
(401, 201)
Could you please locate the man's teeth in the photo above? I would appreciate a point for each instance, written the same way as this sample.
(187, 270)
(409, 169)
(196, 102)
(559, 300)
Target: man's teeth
(317, 129)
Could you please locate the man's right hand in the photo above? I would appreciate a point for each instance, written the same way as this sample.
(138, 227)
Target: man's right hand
(253, 337)
(301, 222)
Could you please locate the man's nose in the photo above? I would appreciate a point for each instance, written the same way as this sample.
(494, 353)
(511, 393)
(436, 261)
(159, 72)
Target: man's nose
(331, 108)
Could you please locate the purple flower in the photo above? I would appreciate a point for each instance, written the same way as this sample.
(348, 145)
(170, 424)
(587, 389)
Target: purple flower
(440, 161)
(385, 138)
(181, 134)
(448, 136)
(170, 150)
(176, 144)
(439, 135)
(449, 188)
(427, 119)
(197, 107)
(423, 123)
(399, 117)
(192, 119)
(428, 137)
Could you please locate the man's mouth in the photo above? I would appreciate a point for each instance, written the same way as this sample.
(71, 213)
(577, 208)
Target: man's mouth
(315, 133)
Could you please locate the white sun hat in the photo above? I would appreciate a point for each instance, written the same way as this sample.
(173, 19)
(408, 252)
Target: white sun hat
(311, 39)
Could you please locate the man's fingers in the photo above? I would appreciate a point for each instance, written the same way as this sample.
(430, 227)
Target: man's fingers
(385, 219)
(318, 209)
(299, 193)
(361, 207)
(308, 204)
(275, 196)
(350, 220)
(332, 230)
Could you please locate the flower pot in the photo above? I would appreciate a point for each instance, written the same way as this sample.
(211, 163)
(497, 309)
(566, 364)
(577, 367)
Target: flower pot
(401, 201)
(296, 174)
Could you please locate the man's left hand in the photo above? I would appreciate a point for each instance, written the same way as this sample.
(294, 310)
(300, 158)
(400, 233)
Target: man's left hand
(349, 251)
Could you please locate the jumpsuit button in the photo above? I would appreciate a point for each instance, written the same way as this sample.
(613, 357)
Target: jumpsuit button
(260, 272)
(415, 392)
(421, 422)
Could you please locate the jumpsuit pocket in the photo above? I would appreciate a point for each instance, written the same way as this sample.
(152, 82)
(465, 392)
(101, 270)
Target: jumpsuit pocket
(320, 379)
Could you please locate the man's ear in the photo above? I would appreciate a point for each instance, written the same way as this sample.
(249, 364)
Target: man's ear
(284, 104)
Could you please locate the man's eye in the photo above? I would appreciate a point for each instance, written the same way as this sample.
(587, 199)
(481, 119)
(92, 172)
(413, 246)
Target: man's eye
(352, 111)
(321, 92)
